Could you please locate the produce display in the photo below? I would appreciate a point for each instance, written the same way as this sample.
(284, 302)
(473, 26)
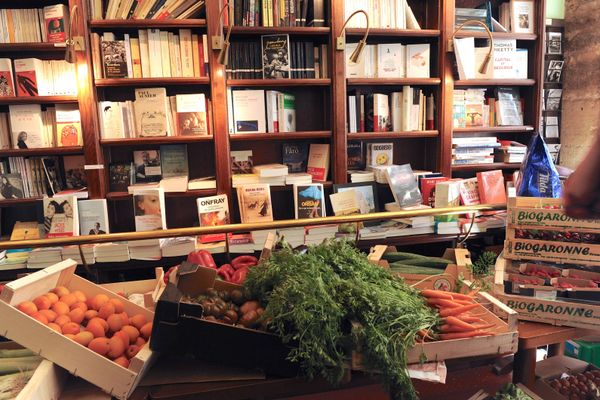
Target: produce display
(558, 236)
(409, 263)
(16, 368)
(234, 272)
(582, 386)
(511, 392)
(99, 322)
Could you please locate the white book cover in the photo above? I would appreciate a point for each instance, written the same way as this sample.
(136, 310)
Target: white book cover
(411, 20)
(165, 56)
(396, 111)
(480, 54)
(27, 129)
(93, 217)
(521, 61)
(464, 51)
(154, 49)
(400, 14)
(187, 60)
(111, 120)
(191, 114)
(61, 216)
(151, 111)
(355, 69)
(503, 58)
(522, 18)
(407, 95)
(249, 111)
(417, 60)
(149, 209)
(144, 53)
(272, 111)
(129, 59)
(391, 62)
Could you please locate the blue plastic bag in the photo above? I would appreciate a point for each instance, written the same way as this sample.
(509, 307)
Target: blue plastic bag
(538, 176)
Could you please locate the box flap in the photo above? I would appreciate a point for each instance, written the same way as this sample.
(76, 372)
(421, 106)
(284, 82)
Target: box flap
(553, 367)
(194, 279)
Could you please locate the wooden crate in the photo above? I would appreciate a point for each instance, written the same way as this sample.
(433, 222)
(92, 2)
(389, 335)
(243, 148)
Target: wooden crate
(151, 289)
(78, 360)
(534, 214)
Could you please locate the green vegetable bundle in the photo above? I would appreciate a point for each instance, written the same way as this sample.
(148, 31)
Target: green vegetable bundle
(311, 298)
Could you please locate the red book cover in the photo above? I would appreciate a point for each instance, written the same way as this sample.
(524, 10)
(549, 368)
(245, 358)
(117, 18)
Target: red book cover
(427, 186)
(26, 77)
(469, 192)
(491, 187)
(56, 20)
(201, 52)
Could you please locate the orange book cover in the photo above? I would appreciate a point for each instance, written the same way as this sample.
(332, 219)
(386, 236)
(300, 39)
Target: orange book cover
(491, 187)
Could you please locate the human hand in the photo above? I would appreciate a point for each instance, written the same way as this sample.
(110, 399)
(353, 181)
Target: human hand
(582, 190)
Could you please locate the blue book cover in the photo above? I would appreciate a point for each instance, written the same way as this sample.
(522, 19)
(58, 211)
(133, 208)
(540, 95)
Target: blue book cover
(295, 156)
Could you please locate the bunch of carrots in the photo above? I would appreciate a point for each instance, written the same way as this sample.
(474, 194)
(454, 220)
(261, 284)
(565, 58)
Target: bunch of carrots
(456, 313)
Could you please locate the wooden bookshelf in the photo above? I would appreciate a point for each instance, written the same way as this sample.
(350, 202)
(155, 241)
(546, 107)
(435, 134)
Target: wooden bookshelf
(19, 202)
(486, 167)
(45, 151)
(393, 81)
(393, 135)
(146, 23)
(286, 188)
(38, 100)
(32, 47)
(290, 30)
(498, 35)
(152, 81)
(495, 129)
(189, 193)
(278, 82)
(280, 136)
(412, 33)
(494, 82)
(155, 140)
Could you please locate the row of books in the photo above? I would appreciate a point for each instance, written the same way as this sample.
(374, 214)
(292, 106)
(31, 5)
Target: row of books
(386, 14)
(408, 110)
(471, 108)
(389, 60)
(486, 150)
(34, 25)
(145, 9)
(507, 62)
(275, 57)
(272, 13)
(153, 113)
(512, 16)
(27, 126)
(260, 111)
(153, 54)
(35, 77)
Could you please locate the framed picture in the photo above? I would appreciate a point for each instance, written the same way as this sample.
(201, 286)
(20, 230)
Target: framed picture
(522, 16)
(554, 43)
(366, 193)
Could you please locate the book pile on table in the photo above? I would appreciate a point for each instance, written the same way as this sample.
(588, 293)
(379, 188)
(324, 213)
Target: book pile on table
(510, 152)
(474, 150)
(72, 252)
(361, 176)
(316, 234)
(44, 257)
(148, 249)
(15, 259)
(179, 246)
(112, 252)
(298, 178)
(273, 174)
(238, 180)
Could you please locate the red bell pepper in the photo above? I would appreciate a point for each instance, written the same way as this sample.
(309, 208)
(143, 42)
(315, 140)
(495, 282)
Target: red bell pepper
(239, 276)
(203, 258)
(168, 273)
(226, 271)
(244, 262)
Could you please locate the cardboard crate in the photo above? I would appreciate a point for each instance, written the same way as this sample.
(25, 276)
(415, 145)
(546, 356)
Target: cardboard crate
(179, 328)
(78, 360)
(544, 308)
(554, 367)
(151, 289)
(545, 213)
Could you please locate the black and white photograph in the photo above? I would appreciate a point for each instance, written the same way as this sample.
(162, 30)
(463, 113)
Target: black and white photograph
(552, 100)
(11, 186)
(554, 72)
(554, 43)
(147, 165)
(276, 56)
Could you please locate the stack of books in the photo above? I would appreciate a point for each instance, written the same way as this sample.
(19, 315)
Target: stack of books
(474, 150)
(298, 178)
(15, 259)
(316, 234)
(272, 174)
(361, 176)
(72, 252)
(44, 257)
(148, 249)
(180, 246)
(510, 152)
(238, 180)
(413, 222)
(387, 14)
(112, 252)
(259, 238)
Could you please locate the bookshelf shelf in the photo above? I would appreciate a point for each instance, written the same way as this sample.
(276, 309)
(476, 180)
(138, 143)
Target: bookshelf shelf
(45, 151)
(392, 81)
(486, 167)
(146, 23)
(152, 81)
(496, 129)
(189, 193)
(494, 82)
(326, 184)
(411, 240)
(19, 202)
(278, 82)
(393, 135)
(280, 136)
(498, 35)
(38, 100)
(155, 140)
(394, 32)
(37, 47)
(291, 30)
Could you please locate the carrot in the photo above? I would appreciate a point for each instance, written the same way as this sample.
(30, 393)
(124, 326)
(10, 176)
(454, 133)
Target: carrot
(487, 326)
(473, 292)
(447, 328)
(442, 302)
(451, 320)
(461, 296)
(464, 335)
(424, 334)
(469, 318)
(436, 294)
(457, 310)
(463, 302)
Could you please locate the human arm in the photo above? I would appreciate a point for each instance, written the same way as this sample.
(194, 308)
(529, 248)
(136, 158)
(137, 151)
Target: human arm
(582, 189)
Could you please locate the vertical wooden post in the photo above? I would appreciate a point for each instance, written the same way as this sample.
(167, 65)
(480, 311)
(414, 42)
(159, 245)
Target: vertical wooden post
(338, 94)
(446, 88)
(538, 62)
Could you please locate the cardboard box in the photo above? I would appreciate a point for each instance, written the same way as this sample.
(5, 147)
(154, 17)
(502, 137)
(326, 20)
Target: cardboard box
(150, 289)
(77, 359)
(179, 328)
(554, 367)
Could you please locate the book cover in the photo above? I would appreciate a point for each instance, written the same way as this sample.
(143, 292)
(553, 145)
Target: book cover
(52, 174)
(11, 186)
(111, 120)
(318, 161)
(56, 19)
(365, 193)
(391, 61)
(272, 110)
(68, 125)
(469, 192)
(28, 72)
(27, 129)
(344, 203)
(174, 160)
(522, 16)
(447, 194)
(417, 60)
(380, 154)
(75, 177)
(151, 109)
(7, 84)
(403, 185)
(295, 156)
(381, 113)
(255, 203)
(93, 217)
(474, 114)
(213, 211)
(147, 166)
(149, 209)
(356, 155)
(309, 201)
(114, 58)
(61, 218)
(25, 231)
(491, 187)
(287, 113)
(191, 114)
(427, 186)
(249, 111)
(119, 176)
(503, 58)
(276, 56)
(521, 60)
(241, 162)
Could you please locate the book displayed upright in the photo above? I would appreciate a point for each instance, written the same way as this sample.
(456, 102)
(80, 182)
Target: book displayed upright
(309, 201)
(213, 211)
(56, 20)
(241, 161)
(68, 125)
(93, 217)
(11, 186)
(7, 83)
(255, 203)
(174, 160)
(114, 58)
(61, 216)
(151, 112)
(191, 114)
(417, 60)
(318, 161)
(28, 74)
(149, 209)
(491, 187)
(295, 156)
(147, 165)
(119, 176)
(469, 192)
(403, 185)
(248, 111)
(276, 56)
(26, 126)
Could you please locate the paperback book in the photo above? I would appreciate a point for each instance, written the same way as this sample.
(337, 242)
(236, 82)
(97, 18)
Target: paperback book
(174, 160)
(68, 125)
(213, 211)
(149, 209)
(61, 218)
(114, 58)
(151, 110)
(403, 185)
(241, 161)
(75, 177)
(318, 161)
(93, 217)
(119, 176)
(11, 186)
(309, 201)
(7, 84)
(295, 156)
(276, 56)
(191, 114)
(26, 126)
(147, 166)
(255, 203)
(356, 157)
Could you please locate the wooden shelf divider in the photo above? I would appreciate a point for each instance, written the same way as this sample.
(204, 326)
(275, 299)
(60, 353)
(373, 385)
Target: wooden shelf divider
(38, 100)
(278, 82)
(146, 23)
(155, 140)
(393, 135)
(238, 137)
(204, 80)
(44, 151)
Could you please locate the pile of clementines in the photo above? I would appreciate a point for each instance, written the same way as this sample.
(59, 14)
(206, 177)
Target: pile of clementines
(99, 322)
